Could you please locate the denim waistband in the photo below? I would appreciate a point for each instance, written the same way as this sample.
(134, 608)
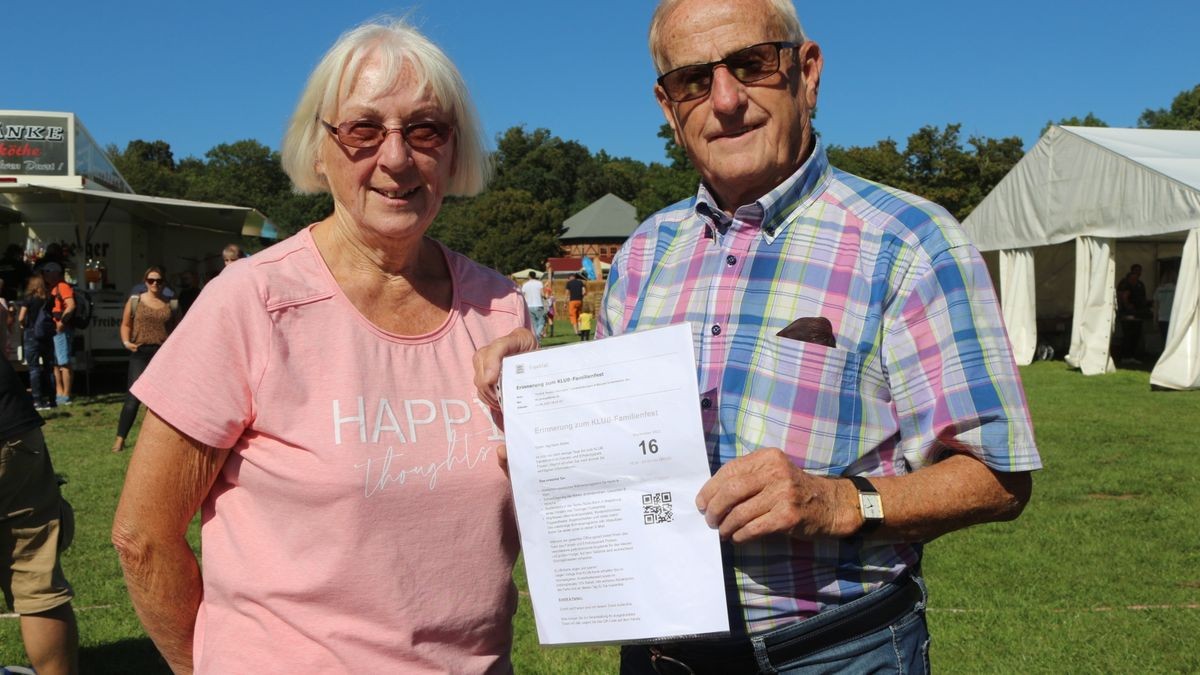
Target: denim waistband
(865, 615)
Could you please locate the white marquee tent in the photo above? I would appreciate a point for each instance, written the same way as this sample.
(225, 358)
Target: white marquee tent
(1120, 195)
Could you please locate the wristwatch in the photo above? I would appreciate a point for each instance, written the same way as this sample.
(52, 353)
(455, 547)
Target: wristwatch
(869, 504)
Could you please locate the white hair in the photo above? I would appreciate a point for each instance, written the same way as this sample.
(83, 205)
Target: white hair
(783, 17)
(400, 45)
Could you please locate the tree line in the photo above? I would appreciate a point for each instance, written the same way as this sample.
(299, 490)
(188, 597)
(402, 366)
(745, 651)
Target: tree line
(540, 180)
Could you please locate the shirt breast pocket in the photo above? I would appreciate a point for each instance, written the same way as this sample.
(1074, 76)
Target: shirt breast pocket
(823, 406)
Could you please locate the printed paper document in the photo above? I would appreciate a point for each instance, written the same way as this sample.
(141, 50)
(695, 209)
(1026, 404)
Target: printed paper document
(606, 453)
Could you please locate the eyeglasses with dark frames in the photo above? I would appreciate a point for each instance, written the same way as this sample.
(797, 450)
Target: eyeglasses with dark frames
(154, 280)
(748, 65)
(423, 135)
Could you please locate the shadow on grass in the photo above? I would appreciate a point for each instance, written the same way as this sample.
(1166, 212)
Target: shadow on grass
(111, 397)
(121, 657)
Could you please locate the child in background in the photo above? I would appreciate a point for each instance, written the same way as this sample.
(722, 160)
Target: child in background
(587, 321)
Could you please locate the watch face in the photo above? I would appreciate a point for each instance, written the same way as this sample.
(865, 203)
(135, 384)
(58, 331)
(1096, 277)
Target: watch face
(872, 507)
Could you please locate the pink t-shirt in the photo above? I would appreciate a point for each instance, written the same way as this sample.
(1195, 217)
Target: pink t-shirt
(361, 523)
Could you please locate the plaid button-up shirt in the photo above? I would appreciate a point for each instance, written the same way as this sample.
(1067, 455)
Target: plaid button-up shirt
(921, 366)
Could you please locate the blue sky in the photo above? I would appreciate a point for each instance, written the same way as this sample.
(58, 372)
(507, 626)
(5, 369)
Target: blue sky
(199, 74)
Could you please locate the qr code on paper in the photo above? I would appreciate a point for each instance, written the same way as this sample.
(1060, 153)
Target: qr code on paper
(657, 508)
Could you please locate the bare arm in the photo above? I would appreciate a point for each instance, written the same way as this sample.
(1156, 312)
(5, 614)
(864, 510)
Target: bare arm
(68, 310)
(168, 478)
(127, 326)
(764, 493)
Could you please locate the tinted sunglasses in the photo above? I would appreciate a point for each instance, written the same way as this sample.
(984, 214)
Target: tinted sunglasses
(754, 63)
(423, 135)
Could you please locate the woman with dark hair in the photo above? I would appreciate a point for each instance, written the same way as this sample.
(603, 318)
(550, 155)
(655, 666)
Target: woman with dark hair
(145, 324)
(38, 341)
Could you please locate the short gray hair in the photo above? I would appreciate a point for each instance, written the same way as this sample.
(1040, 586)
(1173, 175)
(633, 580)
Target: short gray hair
(400, 44)
(783, 13)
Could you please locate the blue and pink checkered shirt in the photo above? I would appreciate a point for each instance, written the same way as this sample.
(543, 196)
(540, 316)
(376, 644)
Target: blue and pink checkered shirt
(922, 364)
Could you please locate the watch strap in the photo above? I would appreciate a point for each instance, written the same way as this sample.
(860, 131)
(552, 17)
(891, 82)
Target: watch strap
(865, 487)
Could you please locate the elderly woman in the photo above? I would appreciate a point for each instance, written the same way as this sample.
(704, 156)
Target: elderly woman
(353, 516)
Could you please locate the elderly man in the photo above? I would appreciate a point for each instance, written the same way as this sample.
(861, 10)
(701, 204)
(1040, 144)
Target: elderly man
(858, 393)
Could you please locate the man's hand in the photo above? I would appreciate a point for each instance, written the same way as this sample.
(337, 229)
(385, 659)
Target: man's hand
(763, 493)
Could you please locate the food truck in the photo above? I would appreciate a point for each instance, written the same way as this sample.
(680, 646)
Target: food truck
(57, 186)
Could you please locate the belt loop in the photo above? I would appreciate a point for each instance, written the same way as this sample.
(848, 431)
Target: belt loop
(761, 656)
(924, 601)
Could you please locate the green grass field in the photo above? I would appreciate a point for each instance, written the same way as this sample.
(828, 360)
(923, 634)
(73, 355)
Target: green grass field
(1100, 575)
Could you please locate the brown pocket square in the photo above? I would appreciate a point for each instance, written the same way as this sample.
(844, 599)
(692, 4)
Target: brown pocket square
(815, 329)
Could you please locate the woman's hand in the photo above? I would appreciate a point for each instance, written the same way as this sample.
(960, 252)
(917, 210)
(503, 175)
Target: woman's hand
(131, 346)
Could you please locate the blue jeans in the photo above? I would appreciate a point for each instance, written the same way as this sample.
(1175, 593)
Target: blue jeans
(902, 647)
(538, 315)
(39, 356)
(62, 348)
(137, 365)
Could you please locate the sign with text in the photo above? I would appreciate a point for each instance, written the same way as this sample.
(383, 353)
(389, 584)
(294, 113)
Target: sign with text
(33, 145)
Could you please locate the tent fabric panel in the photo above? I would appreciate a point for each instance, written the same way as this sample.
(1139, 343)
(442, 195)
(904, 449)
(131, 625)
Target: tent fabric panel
(1018, 303)
(1105, 194)
(1069, 186)
(1012, 214)
(1179, 365)
(1171, 152)
(1095, 306)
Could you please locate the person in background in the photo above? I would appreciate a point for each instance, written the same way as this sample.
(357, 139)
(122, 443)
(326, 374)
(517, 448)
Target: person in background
(1164, 298)
(188, 292)
(37, 329)
(231, 254)
(53, 254)
(354, 518)
(858, 393)
(14, 271)
(8, 325)
(548, 299)
(62, 296)
(145, 324)
(535, 293)
(166, 291)
(576, 292)
(1132, 309)
(587, 322)
(36, 526)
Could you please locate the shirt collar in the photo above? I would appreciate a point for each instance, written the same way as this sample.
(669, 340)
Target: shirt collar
(771, 211)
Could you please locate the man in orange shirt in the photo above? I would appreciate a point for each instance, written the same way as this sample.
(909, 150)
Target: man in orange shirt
(576, 291)
(63, 308)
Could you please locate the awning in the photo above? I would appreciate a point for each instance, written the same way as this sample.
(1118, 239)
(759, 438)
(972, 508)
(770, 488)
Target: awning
(48, 204)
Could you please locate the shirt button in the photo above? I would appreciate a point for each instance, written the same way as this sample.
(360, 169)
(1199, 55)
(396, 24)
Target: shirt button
(730, 260)
(706, 403)
(716, 330)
